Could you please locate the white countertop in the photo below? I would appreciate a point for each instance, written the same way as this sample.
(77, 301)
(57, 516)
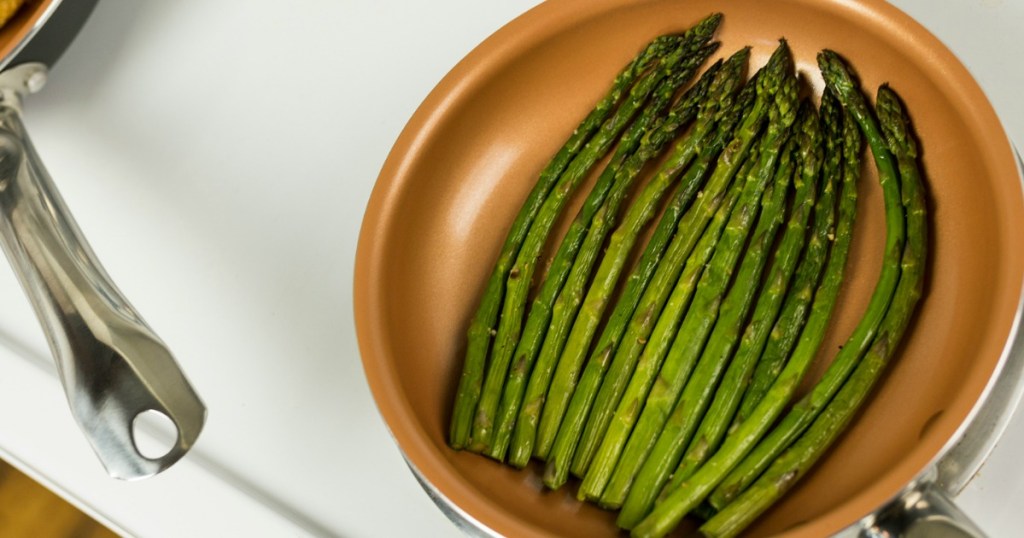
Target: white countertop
(218, 155)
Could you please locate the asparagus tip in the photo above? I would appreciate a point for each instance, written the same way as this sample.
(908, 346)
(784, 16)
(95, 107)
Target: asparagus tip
(776, 71)
(786, 100)
(835, 72)
(738, 60)
(723, 86)
(708, 25)
(895, 123)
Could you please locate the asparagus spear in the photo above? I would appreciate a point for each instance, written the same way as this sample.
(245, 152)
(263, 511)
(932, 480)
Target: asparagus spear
(654, 277)
(565, 311)
(795, 462)
(805, 410)
(520, 277)
(654, 140)
(616, 178)
(727, 397)
(784, 334)
(563, 382)
(622, 240)
(703, 251)
(739, 442)
(645, 294)
(603, 462)
(482, 326)
(700, 387)
(703, 312)
(556, 470)
(746, 435)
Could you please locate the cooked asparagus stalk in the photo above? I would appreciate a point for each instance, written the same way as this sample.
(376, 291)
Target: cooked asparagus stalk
(702, 252)
(568, 368)
(700, 387)
(795, 462)
(609, 473)
(565, 311)
(643, 140)
(556, 470)
(540, 315)
(667, 514)
(640, 212)
(806, 177)
(746, 435)
(689, 494)
(656, 277)
(646, 291)
(700, 318)
(797, 305)
(481, 329)
(808, 407)
(520, 278)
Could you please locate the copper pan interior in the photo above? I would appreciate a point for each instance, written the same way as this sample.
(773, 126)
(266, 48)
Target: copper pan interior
(465, 162)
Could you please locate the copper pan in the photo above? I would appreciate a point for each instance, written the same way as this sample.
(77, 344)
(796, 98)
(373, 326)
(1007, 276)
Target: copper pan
(468, 156)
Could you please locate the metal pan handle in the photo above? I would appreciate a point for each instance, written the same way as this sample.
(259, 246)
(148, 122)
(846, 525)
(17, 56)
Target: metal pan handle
(924, 511)
(113, 367)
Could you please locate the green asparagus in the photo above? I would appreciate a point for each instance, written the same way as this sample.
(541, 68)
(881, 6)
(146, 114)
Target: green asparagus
(787, 329)
(555, 472)
(699, 390)
(700, 387)
(565, 375)
(614, 181)
(727, 397)
(639, 214)
(699, 320)
(739, 442)
(746, 435)
(520, 278)
(482, 326)
(646, 291)
(540, 315)
(603, 462)
(565, 312)
(789, 468)
(808, 407)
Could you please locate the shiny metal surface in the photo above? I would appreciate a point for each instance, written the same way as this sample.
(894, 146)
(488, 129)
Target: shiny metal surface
(112, 365)
(925, 513)
(462, 521)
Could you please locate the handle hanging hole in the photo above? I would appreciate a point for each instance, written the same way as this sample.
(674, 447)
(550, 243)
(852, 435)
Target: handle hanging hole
(154, 434)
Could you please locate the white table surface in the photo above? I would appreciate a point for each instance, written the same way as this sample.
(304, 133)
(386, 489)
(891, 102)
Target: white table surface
(219, 155)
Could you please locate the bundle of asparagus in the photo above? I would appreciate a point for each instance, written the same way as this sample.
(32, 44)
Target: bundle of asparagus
(675, 409)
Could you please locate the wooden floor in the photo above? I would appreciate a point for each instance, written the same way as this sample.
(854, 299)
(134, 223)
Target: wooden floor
(28, 509)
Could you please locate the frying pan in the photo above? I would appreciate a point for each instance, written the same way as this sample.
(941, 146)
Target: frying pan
(114, 368)
(471, 152)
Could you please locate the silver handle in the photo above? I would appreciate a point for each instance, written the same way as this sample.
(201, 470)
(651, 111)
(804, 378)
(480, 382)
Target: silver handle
(113, 366)
(924, 511)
